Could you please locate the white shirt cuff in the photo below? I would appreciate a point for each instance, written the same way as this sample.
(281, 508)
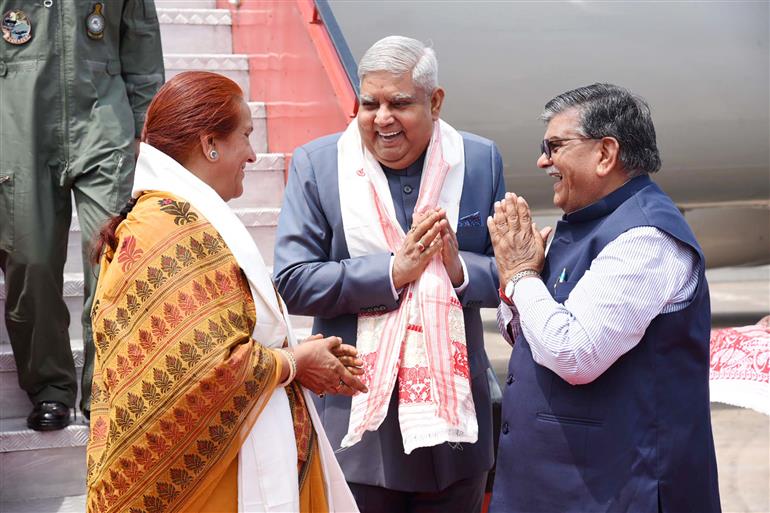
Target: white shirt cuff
(390, 275)
(464, 285)
(507, 312)
(529, 287)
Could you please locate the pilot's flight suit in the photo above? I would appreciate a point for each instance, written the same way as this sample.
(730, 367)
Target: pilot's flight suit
(76, 77)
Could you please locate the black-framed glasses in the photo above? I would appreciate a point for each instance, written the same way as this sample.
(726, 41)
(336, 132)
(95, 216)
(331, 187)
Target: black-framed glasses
(546, 147)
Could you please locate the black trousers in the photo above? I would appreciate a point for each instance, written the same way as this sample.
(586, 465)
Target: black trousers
(464, 496)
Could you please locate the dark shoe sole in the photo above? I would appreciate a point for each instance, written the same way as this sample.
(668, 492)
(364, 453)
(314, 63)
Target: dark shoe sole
(49, 426)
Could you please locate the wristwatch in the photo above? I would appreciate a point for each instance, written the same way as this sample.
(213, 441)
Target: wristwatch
(507, 294)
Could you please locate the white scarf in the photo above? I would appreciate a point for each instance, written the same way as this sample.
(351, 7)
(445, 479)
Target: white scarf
(267, 461)
(421, 345)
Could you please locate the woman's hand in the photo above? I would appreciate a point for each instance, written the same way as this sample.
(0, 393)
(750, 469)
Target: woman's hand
(348, 355)
(326, 365)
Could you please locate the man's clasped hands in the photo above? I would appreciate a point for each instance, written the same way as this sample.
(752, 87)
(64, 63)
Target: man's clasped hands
(327, 366)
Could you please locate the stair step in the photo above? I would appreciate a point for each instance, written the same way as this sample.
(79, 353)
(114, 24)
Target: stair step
(44, 473)
(235, 66)
(35, 465)
(193, 31)
(185, 4)
(258, 137)
(15, 436)
(75, 504)
(13, 400)
(263, 185)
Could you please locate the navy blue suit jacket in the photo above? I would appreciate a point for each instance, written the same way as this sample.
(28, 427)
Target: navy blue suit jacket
(316, 276)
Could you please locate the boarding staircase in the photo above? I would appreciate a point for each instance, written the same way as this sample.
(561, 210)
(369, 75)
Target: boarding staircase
(45, 472)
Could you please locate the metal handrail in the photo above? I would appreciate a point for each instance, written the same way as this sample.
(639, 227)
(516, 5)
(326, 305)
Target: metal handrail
(339, 42)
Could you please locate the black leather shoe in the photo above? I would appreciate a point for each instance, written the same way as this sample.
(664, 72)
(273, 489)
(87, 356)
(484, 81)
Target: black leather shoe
(49, 416)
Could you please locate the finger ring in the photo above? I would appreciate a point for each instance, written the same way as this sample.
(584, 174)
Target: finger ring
(420, 246)
(342, 383)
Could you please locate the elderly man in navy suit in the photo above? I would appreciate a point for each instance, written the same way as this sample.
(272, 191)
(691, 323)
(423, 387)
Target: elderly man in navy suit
(382, 239)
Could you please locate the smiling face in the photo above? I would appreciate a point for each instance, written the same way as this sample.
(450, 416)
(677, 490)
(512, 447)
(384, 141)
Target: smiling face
(573, 163)
(396, 117)
(234, 152)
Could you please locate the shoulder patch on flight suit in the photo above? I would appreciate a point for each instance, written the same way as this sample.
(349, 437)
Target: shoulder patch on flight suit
(95, 22)
(16, 27)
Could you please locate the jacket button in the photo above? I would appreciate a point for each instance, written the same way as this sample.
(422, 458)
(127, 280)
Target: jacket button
(408, 189)
(509, 380)
(504, 429)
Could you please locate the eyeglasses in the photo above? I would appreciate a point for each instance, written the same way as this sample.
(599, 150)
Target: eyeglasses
(547, 146)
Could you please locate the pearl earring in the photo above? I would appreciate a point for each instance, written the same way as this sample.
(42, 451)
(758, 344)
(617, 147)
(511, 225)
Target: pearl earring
(214, 155)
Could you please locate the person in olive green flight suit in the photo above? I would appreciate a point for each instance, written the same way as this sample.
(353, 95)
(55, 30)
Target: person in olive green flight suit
(76, 77)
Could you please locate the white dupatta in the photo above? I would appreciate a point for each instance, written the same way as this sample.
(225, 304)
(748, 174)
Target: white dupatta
(267, 461)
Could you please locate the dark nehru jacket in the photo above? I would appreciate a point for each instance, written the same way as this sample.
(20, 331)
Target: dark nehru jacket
(638, 438)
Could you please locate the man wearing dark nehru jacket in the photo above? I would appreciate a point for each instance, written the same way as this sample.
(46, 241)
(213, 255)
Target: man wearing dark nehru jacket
(382, 239)
(606, 405)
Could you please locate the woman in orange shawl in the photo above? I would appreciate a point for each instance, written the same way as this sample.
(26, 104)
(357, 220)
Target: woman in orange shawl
(197, 396)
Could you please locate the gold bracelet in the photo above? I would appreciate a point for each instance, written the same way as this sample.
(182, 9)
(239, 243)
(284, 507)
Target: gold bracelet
(292, 367)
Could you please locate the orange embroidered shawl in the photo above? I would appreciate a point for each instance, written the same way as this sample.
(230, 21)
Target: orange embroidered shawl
(178, 381)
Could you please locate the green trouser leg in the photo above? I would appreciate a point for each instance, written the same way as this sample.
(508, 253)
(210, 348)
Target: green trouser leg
(32, 255)
(99, 195)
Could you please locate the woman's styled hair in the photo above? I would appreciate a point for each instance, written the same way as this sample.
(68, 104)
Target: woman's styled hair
(191, 104)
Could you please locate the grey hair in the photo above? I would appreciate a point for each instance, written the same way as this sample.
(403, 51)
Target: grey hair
(399, 55)
(607, 110)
